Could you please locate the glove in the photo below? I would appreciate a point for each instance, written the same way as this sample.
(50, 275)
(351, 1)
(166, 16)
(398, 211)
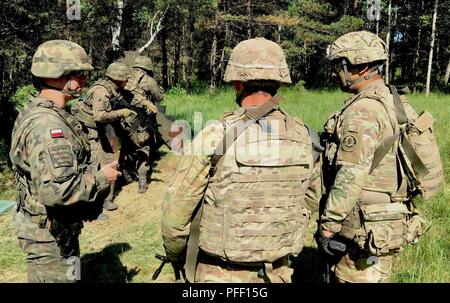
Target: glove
(151, 108)
(128, 112)
(332, 248)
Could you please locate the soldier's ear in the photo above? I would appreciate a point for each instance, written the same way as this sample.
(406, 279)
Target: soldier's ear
(238, 85)
(363, 69)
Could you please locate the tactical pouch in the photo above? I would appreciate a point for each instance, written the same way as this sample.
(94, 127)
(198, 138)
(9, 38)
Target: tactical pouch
(66, 236)
(385, 226)
(414, 229)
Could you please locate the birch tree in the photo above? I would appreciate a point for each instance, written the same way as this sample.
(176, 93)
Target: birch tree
(430, 57)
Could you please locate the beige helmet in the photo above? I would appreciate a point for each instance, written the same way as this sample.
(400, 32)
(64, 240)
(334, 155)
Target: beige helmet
(55, 58)
(358, 48)
(118, 71)
(257, 59)
(143, 62)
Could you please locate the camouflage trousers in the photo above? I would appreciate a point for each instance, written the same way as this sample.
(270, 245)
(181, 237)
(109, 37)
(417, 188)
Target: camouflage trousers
(45, 264)
(207, 272)
(370, 269)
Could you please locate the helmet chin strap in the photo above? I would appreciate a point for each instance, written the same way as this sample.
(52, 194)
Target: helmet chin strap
(349, 84)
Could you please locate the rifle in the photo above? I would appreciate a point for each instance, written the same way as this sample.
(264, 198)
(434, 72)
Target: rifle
(339, 249)
(143, 119)
(164, 261)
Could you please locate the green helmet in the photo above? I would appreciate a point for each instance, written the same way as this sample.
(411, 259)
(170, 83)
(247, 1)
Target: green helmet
(358, 48)
(57, 57)
(257, 59)
(118, 71)
(143, 62)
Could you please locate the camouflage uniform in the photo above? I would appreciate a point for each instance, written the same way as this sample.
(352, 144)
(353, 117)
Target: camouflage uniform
(146, 92)
(258, 200)
(101, 121)
(365, 206)
(58, 187)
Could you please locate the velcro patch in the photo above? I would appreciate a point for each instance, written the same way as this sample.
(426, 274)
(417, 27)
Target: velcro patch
(61, 156)
(57, 133)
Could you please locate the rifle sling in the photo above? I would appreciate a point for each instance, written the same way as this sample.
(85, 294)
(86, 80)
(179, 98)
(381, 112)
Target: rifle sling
(251, 116)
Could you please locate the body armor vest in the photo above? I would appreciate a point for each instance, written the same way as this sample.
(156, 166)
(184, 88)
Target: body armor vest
(387, 182)
(254, 204)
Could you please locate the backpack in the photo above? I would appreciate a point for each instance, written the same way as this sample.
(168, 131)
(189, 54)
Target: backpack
(418, 150)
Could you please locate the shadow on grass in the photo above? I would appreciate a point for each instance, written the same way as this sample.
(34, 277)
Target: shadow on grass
(307, 267)
(105, 266)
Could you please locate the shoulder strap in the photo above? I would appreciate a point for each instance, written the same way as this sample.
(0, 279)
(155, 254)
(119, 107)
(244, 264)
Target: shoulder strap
(250, 117)
(387, 144)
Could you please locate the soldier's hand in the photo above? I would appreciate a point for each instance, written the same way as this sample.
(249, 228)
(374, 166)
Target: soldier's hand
(128, 112)
(111, 171)
(151, 108)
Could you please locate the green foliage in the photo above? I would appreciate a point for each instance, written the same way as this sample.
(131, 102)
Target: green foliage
(20, 98)
(177, 90)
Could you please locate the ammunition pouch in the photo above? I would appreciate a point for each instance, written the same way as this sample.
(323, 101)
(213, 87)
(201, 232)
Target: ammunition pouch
(385, 227)
(66, 236)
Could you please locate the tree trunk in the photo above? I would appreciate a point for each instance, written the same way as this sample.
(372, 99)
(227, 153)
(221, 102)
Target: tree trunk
(447, 73)
(416, 56)
(165, 64)
(249, 19)
(190, 47)
(177, 54)
(430, 58)
(388, 40)
(212, 57)
(2, 67)
(116, 27)
(225, 44)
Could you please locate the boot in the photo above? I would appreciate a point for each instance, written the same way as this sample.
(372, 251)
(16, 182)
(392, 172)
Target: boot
(102, 217)
(127, 176)
(143, 186)
(109, 204)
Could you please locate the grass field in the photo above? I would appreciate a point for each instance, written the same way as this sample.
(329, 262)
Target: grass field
(122, 248)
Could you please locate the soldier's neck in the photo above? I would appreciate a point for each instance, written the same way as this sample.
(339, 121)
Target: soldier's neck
(255, 99)
(57, 97)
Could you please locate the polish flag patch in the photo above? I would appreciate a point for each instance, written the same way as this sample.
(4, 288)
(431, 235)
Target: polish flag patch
(57, 133)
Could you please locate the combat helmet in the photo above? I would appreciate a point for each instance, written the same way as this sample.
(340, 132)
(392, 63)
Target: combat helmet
(143, 62)
(257, 59)
(358, 48)
(55, 58)
(118, 71)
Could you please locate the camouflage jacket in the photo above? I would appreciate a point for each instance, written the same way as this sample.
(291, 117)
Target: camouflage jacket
(358, 131)
(50, 156)
(190, 183)
(99, 97)
(144, 88)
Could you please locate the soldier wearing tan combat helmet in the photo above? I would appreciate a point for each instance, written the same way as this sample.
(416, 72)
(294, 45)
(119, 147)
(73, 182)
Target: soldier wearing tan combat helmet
(252, 177)
(58, 186)
(367, 204)
(101, 119)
